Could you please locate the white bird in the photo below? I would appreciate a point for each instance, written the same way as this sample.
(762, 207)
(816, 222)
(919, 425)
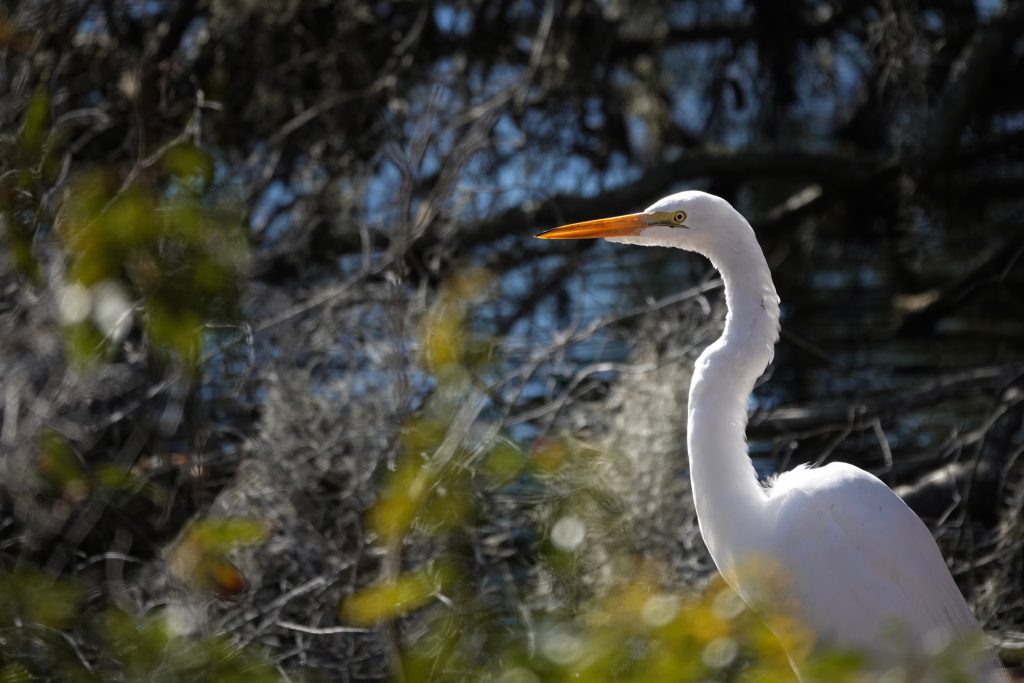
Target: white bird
(857, 562)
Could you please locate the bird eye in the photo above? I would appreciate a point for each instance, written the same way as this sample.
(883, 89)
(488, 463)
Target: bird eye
(679, 217)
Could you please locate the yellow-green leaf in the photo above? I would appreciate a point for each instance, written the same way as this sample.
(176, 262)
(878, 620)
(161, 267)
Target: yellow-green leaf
(393, 598)
(36, 116)
(189, 164)
(225, 535)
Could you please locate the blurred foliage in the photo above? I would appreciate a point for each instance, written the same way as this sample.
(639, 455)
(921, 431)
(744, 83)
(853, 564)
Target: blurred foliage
(416, 491)
(33, 156)
(425, 489)
(44, 624)
(385, 142)
(149, 650)
(389, 599)
(50, 629)
(200, 557)
(447, 341)
(176, 261)
(148, 246)
(148, 254)
(631, 629)
(63, 475)
(30, 598)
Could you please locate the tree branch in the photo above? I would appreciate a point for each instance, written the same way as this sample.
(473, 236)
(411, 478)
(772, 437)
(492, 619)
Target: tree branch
(835, 168)
(860, 412)
(969, 77)
(825, 168)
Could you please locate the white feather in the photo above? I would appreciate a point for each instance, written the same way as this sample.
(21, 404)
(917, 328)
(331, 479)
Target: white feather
(857, 561)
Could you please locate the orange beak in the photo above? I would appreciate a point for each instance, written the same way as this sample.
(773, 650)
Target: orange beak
(618, 226)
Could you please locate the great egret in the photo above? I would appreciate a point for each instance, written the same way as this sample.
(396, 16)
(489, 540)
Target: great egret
(857, 561)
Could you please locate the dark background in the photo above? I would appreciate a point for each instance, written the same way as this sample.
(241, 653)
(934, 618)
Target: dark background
(265, 263)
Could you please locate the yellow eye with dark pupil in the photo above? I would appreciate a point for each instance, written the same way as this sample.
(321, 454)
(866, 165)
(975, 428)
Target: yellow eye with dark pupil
(679, 217)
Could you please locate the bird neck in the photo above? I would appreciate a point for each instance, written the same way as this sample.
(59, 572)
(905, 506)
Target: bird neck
(728, 497)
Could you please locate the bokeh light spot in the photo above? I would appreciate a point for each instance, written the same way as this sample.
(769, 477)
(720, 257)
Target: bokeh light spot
(562, 646)
(720, 653)
(518, 675)
(660, 610)
(727, 605)
(74, 303)
(568, 533)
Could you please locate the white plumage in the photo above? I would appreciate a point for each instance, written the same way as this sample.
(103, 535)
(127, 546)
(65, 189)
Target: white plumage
(857, 566)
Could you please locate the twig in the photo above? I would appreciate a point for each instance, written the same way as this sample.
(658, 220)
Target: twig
(320, 630)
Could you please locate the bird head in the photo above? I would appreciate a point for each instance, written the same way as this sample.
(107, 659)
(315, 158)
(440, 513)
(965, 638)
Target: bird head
(690, 220)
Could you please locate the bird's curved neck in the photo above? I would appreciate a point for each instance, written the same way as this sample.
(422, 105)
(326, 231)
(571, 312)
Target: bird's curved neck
(727, 495)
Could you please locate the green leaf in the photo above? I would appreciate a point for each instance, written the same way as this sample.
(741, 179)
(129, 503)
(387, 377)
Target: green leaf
(15, 673)
(117, 478)
(28, 597)
(34, 124)
(60, 467)
(393, 598)
(504, 462)
(225, 535)
(189, 165)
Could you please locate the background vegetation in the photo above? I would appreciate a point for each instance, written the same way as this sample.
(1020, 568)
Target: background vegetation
(288, 391)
